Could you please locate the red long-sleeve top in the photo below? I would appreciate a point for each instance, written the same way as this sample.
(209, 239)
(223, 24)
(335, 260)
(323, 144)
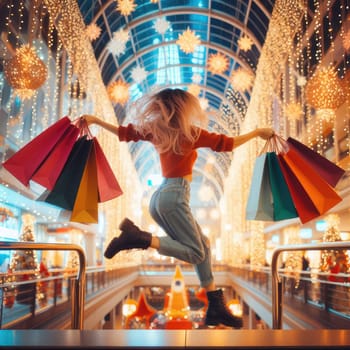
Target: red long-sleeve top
(179, 165)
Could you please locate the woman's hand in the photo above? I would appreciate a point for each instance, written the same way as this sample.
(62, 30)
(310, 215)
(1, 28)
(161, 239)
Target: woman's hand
(90, 119)
(265, 133)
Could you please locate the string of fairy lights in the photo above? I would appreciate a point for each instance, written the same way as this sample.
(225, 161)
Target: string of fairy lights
(60, 95)
(287, 69)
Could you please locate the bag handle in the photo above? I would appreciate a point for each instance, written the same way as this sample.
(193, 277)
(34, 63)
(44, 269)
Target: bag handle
(83, 127)
(275, 144)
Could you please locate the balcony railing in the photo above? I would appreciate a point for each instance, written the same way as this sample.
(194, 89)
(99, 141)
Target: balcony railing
(30, 289)
(50, 298)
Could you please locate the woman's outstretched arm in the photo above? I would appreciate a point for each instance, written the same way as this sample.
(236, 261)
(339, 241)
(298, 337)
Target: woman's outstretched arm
(264, 133)
(91, 119)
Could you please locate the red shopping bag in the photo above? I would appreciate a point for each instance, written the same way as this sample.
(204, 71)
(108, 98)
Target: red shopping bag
(108, 186)
(85, 208)
(50, 169)
(329, 171)
(303, 204)
(28, 159)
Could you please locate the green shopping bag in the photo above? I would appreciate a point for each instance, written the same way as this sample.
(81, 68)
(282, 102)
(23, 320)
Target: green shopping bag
(260, 204)
(66, 187)
(283, 206)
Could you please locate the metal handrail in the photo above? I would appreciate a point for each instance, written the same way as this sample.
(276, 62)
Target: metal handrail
(276, 281)
(78, 290)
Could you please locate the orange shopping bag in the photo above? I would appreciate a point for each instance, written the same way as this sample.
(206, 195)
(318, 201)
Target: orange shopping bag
(303, 204)
(322, 196)
(85, 208)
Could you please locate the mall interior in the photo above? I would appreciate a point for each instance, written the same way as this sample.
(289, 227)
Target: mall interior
(281, 64)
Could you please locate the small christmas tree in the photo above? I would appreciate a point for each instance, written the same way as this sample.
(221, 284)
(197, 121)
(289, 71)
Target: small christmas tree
(26, 261)
(73, 262)
(329, 258)
(9, 290)
(43, 285)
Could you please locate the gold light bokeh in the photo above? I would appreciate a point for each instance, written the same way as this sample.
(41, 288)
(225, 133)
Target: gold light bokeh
(324, 89)
(25, 70)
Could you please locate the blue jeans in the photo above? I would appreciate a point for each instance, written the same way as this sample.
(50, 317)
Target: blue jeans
(169, 207)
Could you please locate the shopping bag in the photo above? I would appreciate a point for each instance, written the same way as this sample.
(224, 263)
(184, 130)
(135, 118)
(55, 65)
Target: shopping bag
(27, 160)
(329, 171)
(49, 171)
(108, 186)
(303, 203)
(323, 196)
(66, 187)
(85, 208)
(259, 204)
(283, 206)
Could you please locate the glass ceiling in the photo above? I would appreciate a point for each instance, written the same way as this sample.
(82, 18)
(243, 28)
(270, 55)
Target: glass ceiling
(219, 25)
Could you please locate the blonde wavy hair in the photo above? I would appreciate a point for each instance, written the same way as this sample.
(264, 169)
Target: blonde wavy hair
(171, 118)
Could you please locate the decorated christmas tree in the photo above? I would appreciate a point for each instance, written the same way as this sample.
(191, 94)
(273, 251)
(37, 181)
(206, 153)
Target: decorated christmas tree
(73, 262)
(331, 260)
(9, 289)
(26, 262)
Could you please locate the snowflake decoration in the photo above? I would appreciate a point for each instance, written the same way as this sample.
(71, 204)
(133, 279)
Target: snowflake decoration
(204, 103)
(346, 40)
(121, 35)
(92, 31)
(196, 78)
(245, 43)
(161, 25)
(125, 7)
(217, 63)
(118, 92)
(188, 41)
(117, 45)
(293, 111)
(194, 89)
(138, 74)
(241, 79)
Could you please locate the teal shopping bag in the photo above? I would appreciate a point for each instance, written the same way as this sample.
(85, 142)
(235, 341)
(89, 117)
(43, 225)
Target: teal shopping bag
(260, 205)
(283, 206)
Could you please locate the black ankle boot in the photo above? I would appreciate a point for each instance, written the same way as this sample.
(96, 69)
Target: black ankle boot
(128, 225)
(218, 313)
(131, 237)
